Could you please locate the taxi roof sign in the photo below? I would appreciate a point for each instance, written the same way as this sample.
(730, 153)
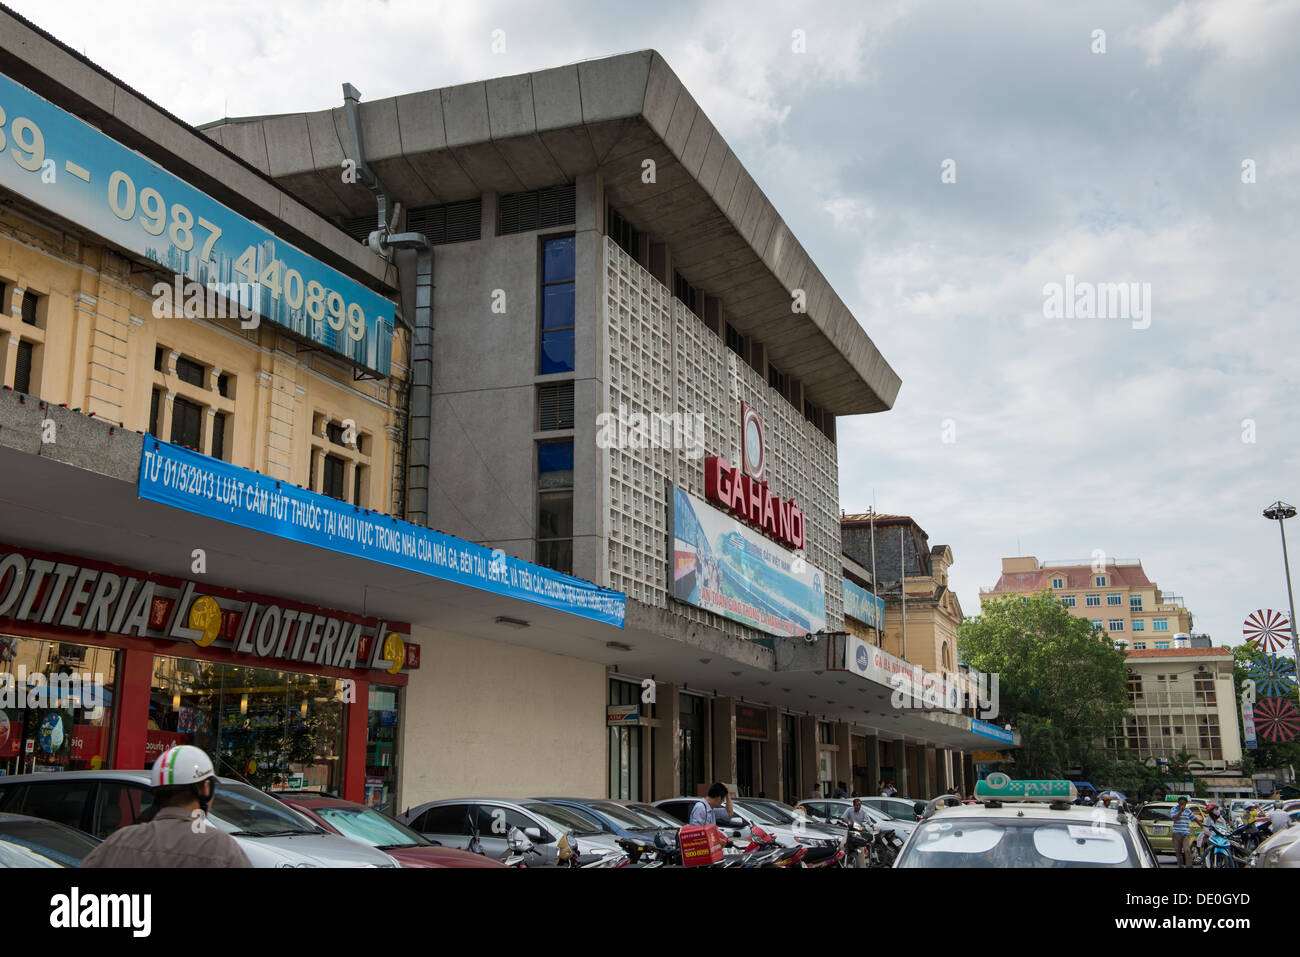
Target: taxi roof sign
(1000, 787)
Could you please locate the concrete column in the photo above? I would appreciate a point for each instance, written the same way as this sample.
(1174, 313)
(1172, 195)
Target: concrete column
(205, 431)
(844, 756)
(925, 783)
(900, 768)
(873, 763)
(942, 773)
(807, 755)
(724, 740)
(318, 476)
(165, 417)
(11, 360)
(959, 772)
(667, 743)
(771, 754)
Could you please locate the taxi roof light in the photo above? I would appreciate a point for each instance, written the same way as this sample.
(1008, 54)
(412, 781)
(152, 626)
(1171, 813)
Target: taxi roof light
(1000, 787)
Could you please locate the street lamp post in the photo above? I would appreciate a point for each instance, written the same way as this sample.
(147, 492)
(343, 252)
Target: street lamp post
(1279, 512)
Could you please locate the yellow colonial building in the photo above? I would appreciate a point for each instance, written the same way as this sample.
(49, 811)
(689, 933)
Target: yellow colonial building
(1115, 596)
(82, 327)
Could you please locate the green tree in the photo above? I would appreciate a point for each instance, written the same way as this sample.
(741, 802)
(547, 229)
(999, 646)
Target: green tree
(1062, 683)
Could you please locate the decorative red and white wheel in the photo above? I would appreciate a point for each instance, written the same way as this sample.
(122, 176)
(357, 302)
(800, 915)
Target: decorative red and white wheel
(1277, 719)
(1267, 630)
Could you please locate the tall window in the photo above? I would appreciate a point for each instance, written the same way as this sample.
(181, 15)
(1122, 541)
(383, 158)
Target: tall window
(23, 368)
(30, 303)
(624, 746)
(555, 505)
(735, 341)
(558, 275)
(1139, 624)
(187, 424)
(1058, 582)
(1099, 581)
(690, 734)
(332, 477)
(1134, 602)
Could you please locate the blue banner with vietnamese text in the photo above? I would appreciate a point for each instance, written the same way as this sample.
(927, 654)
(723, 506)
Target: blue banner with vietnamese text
(171, 475)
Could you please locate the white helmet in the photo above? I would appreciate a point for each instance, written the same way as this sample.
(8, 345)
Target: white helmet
(181, 765)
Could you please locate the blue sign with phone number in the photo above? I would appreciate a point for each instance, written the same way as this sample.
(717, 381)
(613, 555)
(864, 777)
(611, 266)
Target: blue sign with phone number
(59, 162)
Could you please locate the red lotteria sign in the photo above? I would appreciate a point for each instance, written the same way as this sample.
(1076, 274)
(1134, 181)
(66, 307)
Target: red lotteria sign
(156, 742)
(751, 501)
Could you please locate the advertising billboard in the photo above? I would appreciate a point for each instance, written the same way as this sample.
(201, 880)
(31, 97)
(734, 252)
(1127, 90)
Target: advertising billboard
(63, 164)
(732, 570)
(864, 606)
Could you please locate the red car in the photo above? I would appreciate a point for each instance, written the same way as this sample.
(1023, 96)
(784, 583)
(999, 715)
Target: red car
(365, 824)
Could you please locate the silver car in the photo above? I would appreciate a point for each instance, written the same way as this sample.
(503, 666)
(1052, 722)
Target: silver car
(833, 809)
(271, 833)
(455, 822)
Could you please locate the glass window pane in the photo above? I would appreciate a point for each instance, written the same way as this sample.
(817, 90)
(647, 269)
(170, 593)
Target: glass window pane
(556, 555)
(557, 351)
(557, 306)
(555, 515)
(557, 259)
(555, 465)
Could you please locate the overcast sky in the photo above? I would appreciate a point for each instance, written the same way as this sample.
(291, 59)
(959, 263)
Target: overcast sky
(1013, 433)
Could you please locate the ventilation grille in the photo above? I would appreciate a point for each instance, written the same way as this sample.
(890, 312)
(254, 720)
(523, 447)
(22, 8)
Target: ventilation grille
(555, 406)
(540, 209)
(449, 223)
(360, 227)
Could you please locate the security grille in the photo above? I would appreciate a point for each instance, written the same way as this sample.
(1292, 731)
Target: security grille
(555, 406)
(539, 209)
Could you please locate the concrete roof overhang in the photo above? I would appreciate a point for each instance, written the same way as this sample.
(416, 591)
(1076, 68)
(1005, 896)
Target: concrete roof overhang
(605, 116)
(77, 496)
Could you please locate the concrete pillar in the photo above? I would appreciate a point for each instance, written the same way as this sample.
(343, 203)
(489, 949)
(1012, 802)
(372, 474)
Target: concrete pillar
(873, 764)
(925, 783)
(942, 772)
(771, 755)
(844, 756)
(959, 772)
(807, 755)
(666, 748)
(724, 740)
(900, 768)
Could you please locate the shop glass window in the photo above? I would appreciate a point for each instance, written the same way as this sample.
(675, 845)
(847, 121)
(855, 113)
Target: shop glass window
(691, 727)
(381, 747)
(277, 730)
(187, 424)
(558, 292)
(69, 726)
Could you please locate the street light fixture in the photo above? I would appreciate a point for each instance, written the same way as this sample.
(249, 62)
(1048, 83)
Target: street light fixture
(1279, 512)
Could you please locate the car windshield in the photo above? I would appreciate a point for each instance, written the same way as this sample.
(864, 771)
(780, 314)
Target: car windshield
(367, 825)
(1006, 843)
(656, 816)
(64, 846)
(623, 817)
(561, 819)
(247, 812)
(759, 812)
(17, 855)
(1155, 814)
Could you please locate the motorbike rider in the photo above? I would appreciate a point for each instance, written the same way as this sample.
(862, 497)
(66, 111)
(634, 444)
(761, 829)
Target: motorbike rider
(179, 834)
(1278, 819)
(1211, 815)
(857, 816)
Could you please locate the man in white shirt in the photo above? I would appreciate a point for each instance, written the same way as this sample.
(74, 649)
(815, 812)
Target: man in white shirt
(1278, 819)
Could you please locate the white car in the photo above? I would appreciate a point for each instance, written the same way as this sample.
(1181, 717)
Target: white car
(1026, 824)
(270, 832)
(810, 833)
(1280, 850)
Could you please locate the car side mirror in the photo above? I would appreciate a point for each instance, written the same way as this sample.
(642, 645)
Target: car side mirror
(518, 841)
(538, 835)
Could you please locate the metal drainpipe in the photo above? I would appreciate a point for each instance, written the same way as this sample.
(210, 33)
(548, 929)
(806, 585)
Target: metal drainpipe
(419, 397)
(413, 493)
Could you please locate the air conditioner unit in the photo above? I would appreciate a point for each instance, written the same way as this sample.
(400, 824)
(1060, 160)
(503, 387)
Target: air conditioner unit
(1201, 669)
(1131, 671)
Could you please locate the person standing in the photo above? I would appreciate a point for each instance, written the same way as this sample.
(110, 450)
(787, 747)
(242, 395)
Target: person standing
(179, 834)
(841, 791)
(1182, 833)
(1278, 819)
(707, 810)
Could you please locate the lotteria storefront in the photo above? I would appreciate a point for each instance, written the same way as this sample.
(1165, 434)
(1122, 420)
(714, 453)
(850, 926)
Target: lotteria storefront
(106, 666)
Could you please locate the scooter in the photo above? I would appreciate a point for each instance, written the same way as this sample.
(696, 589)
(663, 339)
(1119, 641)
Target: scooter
(1221, 850)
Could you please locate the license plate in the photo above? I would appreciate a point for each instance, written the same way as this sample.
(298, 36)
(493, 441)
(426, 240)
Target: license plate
(1160, 830)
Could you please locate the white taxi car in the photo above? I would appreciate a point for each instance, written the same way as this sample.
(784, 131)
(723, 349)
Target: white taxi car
(1280, 850)
(1025, 824)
